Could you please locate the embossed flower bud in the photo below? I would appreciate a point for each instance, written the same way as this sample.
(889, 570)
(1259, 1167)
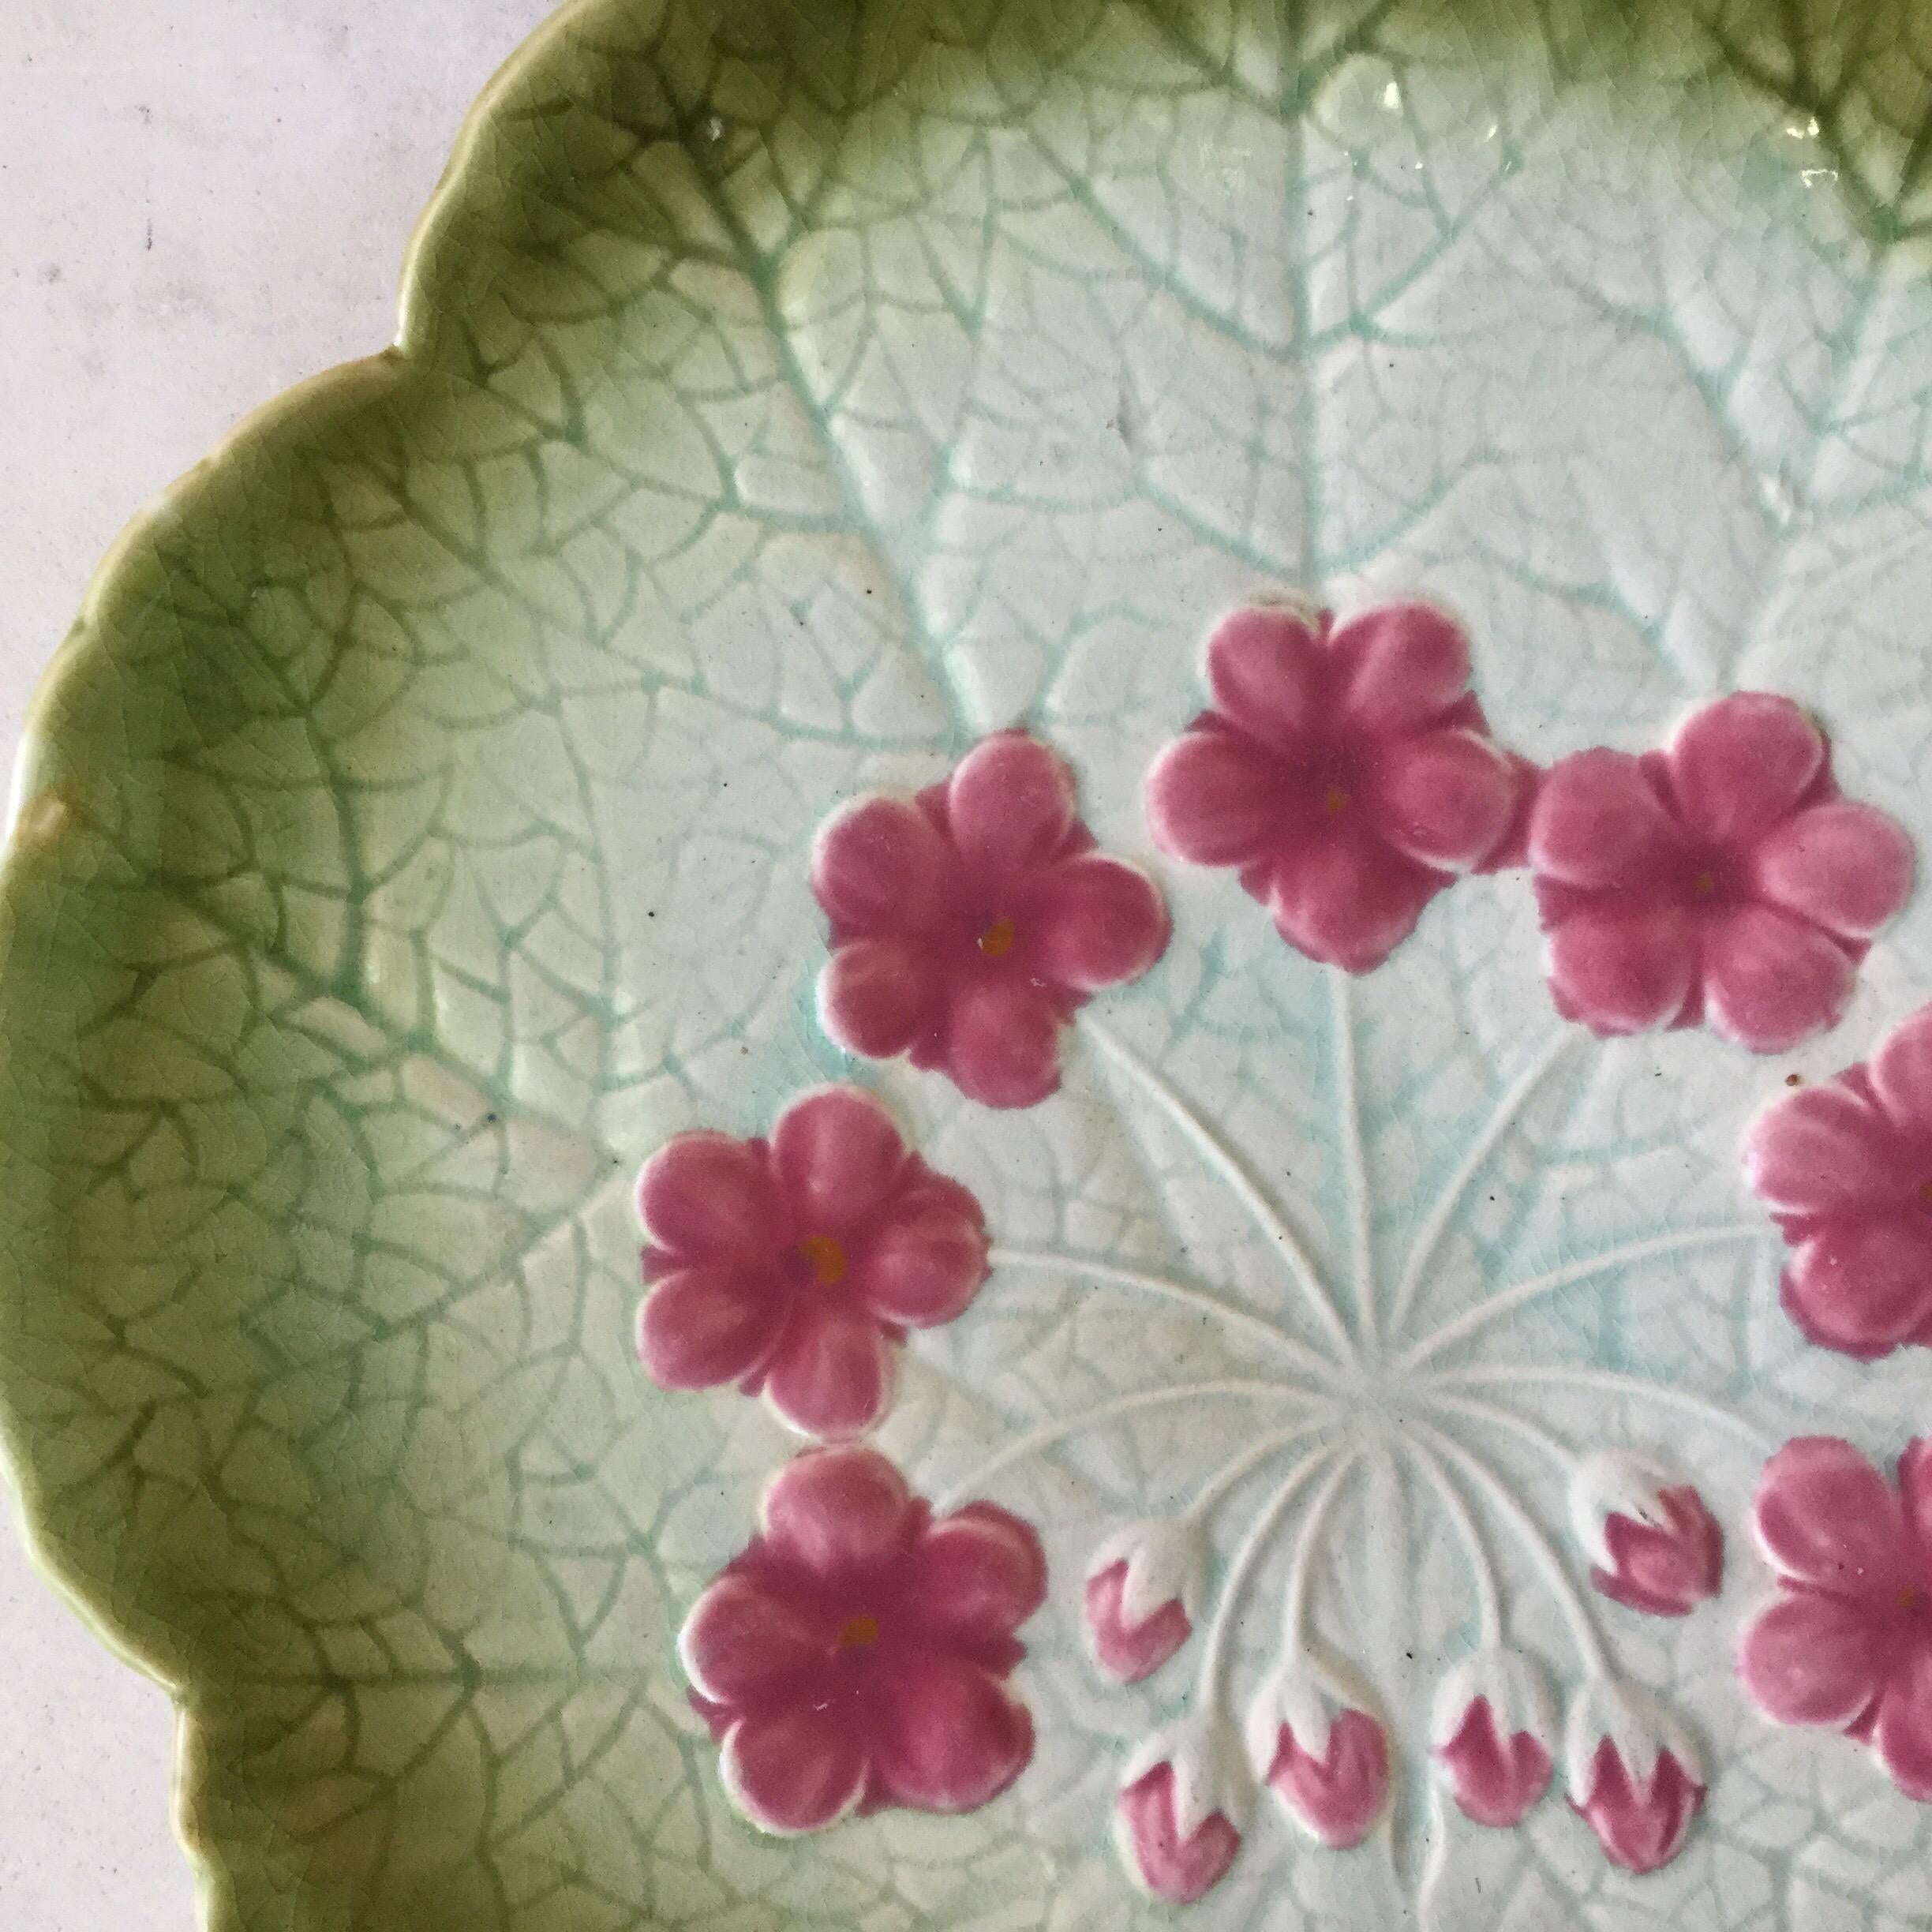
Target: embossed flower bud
(1143, 1590)
(1653, 1545)
(1312, 1740)
(1183, 1801)
(1635, 1777)
(1492, 1734)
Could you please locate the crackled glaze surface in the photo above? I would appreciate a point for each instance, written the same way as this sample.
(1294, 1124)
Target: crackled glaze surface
(419, 834)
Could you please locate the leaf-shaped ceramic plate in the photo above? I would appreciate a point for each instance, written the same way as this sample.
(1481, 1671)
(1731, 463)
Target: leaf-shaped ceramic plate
(1295, 1242)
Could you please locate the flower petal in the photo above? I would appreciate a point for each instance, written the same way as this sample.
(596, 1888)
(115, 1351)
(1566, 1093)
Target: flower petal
(1214, 800)
(831, 1374)
(1771, 980)
(950, 1735)
(707, 1197)
(1444, 798)
(1901, 1073)
(1863, 1284)
(876, 997)
(1010, 805)
(1399, 668)
(1740, 764)
(796, 1769)
(1811, 1659)
(839, 1514)
(1126, 1650)
(1843, 866)
(743, 1641)
(1344, 899)
(1622, 972)
(1178, 1870)
(1101, 922)
(1823, 1150)
(702, 1326)
(977, 1575)
(879, 865)
(925, 1261)
(1002, 1042)
(837, 1155)
(1339, 1796)
(1496, 1779)
(1664, 1569)
(1825, 1516)
(1265, 669)
(1903, 1736)
(1598, 822)
(1914, 1481)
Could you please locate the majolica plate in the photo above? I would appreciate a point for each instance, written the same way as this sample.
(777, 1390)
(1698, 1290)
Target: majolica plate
(1012, 1016)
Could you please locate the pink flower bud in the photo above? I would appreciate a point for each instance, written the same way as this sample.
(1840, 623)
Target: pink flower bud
(1142, 1588)
(1183, 1800)
(1635, 1777)
(1311, 1740)
(1653, 1543)
(1492, 1732)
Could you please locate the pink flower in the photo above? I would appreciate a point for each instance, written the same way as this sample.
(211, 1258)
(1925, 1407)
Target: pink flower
(1142, 1587)
(1653, 1543)
(1846, 1167)
(1347, 774)
(1183, 1800)
(1324, 1757)
(793, 1265)
(1848, 1642)
(1635, 1777)
(1492, 1730)
(855, 1654)
(968, 924)
(1724, 879)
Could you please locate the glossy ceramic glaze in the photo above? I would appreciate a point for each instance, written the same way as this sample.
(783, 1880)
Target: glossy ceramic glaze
(1019, 1000)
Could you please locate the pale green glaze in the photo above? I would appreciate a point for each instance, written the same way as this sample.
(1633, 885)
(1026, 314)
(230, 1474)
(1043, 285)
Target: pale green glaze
(413, 834)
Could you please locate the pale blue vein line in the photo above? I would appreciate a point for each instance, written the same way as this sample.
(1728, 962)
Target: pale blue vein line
(1215, 1659)
(1349, 1104)
(1429, 1236)
(1223, 1162)
(1488, 1603)
(1506, 1301)
(1561, 1586)
(1301, 1565)
(1607, 1382)
(1231, 1472)
(1179, 1293)
(1049, 1435)
(1498, 1416)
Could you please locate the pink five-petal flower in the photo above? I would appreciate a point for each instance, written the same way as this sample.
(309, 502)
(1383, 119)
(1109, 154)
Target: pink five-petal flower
(1635, 1777)
(1846, 1168)
(1848, 1642)
(1724, 879)
(1312, 1742)
(1143, 1585)
(1184, 1798)
(794, 1265)
(1347, 773)
(855, 1654)
(969, 923)
(1492, 1732)
(1652, 1543)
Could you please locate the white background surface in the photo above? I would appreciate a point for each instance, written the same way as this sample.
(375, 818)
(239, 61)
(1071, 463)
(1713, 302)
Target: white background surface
(200, 203)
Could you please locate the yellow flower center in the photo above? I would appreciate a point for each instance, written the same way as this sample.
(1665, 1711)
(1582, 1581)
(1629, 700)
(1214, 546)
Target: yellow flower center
(827, 1259)
(860, 1633)
(996, 940)
(1335, 801)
